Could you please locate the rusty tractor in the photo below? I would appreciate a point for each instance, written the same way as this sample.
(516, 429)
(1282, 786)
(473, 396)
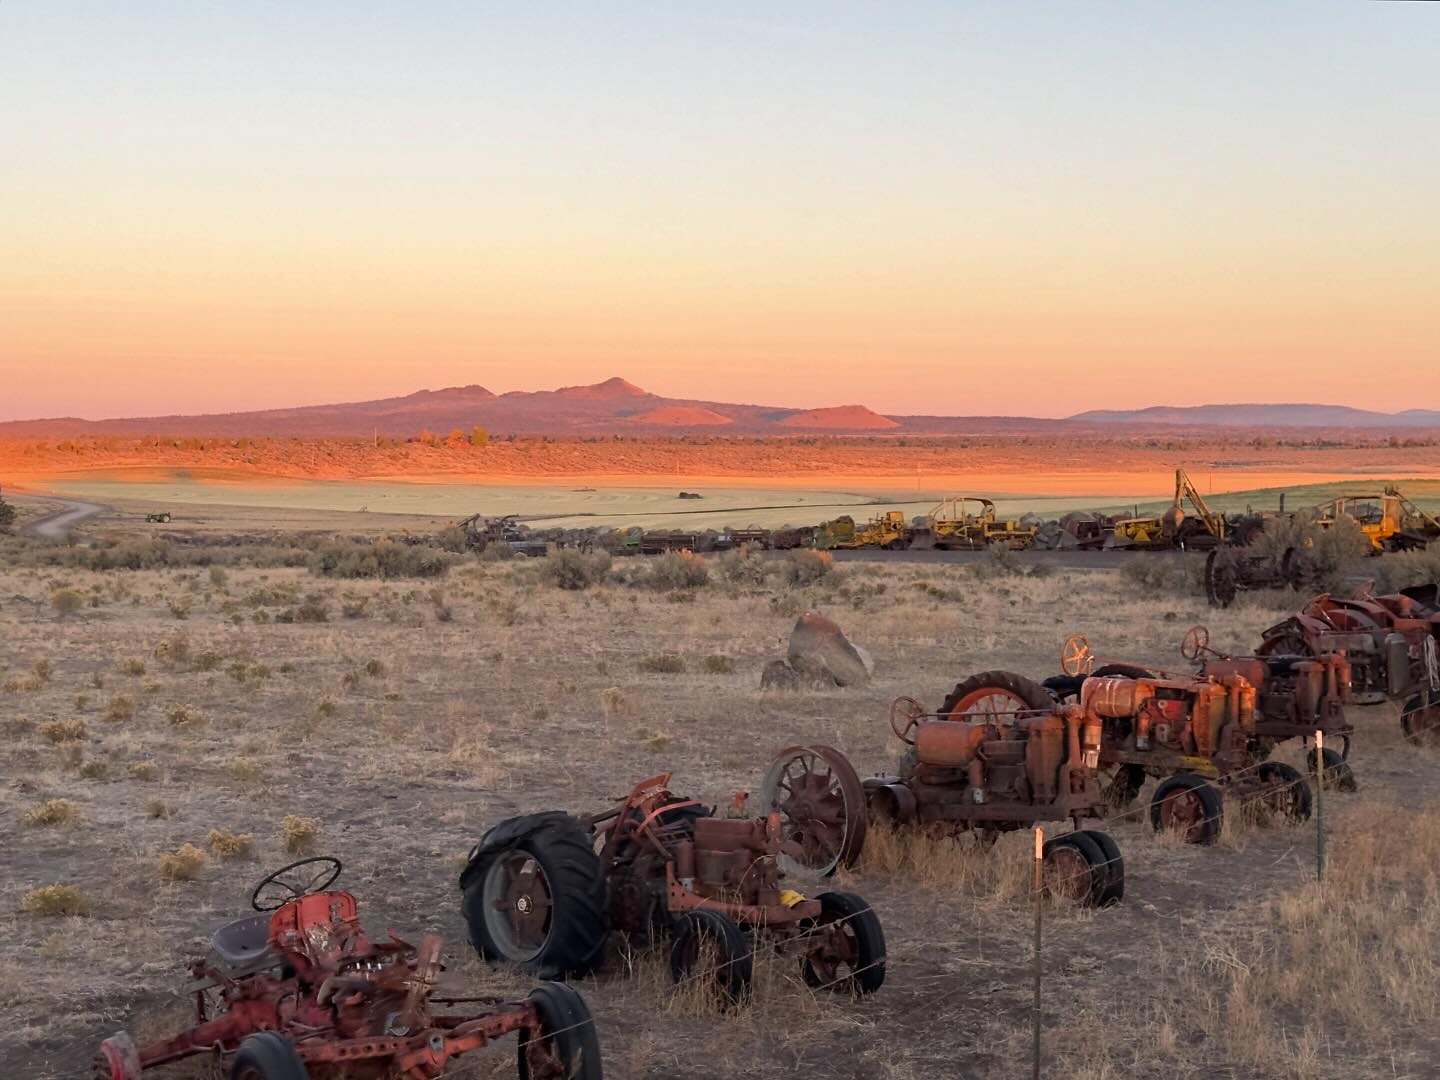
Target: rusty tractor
(545, 891)
(300, 991)
(983, 772)
(1202, 734)
(1391, 642)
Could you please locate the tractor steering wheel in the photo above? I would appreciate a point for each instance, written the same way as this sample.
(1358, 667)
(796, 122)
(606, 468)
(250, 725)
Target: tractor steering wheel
(321, 878)
(1197, 640)
(905, 715)
(1075, 656)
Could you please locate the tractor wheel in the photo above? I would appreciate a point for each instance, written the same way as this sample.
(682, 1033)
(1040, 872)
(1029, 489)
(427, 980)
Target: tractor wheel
(1285, 643)
(1188, 805)
(539, 903)
(1290, 797)
(822, 805)
(1338, 774)
(1123, 786)
(1222, 581)
(711, 947)
(1123, 671)
(267, 1055)
(994, 695)
(1420, 719)
(117, 1059)
(1074, 868)
(1112, 870)
(566, 1044)
(855, 963)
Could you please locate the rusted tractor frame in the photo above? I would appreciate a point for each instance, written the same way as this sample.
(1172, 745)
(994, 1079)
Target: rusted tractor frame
(1230, 571)
(545, 891)
(301, 990)
(984, 771)
(1206, 734)
(1392, 644)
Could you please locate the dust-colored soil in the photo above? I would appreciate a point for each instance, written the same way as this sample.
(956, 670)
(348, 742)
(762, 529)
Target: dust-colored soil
(418, 713)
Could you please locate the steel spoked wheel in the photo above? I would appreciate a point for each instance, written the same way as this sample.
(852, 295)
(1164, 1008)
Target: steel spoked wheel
(1286, 795)
(518, 904)
(1189, 807)
(996, 697)
(818, 795)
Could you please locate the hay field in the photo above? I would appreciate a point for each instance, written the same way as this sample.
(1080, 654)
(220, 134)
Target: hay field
(392, 720)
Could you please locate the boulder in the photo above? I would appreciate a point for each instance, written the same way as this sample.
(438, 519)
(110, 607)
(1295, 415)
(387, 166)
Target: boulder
(816, 636)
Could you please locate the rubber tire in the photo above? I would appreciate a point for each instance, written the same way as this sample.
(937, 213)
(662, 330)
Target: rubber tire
(1416, 704)
(1304, 800)
(1338, 774)
(1094, 856)
(271, 1054)
(869, 937)
(561, 1009)
(1031, 693)
(1209, 796)
(579, 919)
(1127, 671)
(1113, 871)
(734, 949)
(1134, 777)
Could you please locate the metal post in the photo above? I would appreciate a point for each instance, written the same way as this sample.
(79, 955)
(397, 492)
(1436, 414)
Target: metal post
(1319, 805)
(1038, 889)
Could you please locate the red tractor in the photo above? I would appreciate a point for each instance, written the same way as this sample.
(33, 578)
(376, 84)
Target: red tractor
(545, 891)
(1204, 732)
(984, 771)
(1391, 642)
(301, 991)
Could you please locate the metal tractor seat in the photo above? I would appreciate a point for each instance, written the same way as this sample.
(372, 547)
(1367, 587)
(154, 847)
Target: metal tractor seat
(244, 945)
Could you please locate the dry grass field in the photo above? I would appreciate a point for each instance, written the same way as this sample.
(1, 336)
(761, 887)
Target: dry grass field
(171, 734)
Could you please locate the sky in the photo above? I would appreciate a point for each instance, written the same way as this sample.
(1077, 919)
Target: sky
(964, 208)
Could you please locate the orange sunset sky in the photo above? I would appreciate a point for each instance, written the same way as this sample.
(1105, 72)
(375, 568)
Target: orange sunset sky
(1027, 208)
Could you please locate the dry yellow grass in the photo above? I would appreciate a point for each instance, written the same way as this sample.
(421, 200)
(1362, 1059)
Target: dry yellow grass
(52, 812)
(182, 864)
(49, 901)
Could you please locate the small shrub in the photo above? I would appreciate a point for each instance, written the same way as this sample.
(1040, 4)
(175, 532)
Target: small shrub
(804, 567)
(719, 665)
(182, 864)
(173, 650)
(218, 577)
(95, 770)
(298, 834)
(66, 601)
(17, 725)
(120, 709)
(382, 559)
(574, 570)
(131, 665)
(228, 845)
(60, 731)
(375, 669)
(145, 771)
(206, 661)
(42, 670)
(326, 708)
(612, 700)
(50, 901)
(663, 664)
(184, 716)
(313, 610)
(657, 742)
(677, 570)
(51, 812)
(158, 809)
(179, 606)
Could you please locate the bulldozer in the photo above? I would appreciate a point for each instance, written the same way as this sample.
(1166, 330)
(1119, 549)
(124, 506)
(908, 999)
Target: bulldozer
(1390, 521)
(1173, 528)
(887, 530)
(968, 521)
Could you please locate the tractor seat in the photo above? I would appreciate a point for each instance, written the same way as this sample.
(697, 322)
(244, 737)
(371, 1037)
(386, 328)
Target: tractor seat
(244, 944)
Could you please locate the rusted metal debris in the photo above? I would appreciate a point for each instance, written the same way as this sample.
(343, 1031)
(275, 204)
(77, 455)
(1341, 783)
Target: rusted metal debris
(1005, 756)
(545, 891)
(1391, 643)
(301, 989)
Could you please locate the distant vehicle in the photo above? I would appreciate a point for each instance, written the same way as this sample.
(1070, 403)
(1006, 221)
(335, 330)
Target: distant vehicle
(161, 518)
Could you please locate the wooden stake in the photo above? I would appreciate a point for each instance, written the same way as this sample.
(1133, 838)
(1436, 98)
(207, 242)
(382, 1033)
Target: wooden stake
(1038, 889)
(1319, 805)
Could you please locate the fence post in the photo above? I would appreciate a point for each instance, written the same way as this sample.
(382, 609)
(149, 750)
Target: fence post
(1319, 805)
(1038, 887)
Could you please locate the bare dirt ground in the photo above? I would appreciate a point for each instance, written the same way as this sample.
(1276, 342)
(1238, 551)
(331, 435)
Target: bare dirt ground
(404, 716)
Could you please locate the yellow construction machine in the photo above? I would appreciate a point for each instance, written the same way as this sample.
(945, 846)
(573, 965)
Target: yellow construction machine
(1173, 528)
(887, 530)
(969, 521)
(1390, 521)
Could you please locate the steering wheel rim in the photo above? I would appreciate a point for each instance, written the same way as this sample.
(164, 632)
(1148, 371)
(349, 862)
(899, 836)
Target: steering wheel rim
(1195, 642)
(911, 711)
(1075, 655)
(315, 885)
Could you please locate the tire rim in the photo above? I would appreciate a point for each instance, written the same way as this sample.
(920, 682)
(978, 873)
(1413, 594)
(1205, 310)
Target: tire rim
(1283, 797)
(1183, 812)
(820, 804)
(517, 905)
(837, 950)
(1066, 873)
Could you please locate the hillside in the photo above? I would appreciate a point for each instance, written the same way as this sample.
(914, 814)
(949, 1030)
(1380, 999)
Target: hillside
(1262, 416)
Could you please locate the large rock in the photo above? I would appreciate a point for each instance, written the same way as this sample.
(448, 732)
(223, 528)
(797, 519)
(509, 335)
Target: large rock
(797, 673)
(818, 637)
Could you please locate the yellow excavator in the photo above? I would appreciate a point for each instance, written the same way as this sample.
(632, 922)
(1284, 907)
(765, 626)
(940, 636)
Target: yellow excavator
(887, 530)
(1173, 528)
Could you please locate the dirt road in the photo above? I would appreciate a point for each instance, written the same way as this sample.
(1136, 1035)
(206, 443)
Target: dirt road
(57, 526)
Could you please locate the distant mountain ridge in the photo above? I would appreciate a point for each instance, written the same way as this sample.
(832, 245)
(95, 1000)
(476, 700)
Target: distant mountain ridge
(615, 407)
(1259, 415)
